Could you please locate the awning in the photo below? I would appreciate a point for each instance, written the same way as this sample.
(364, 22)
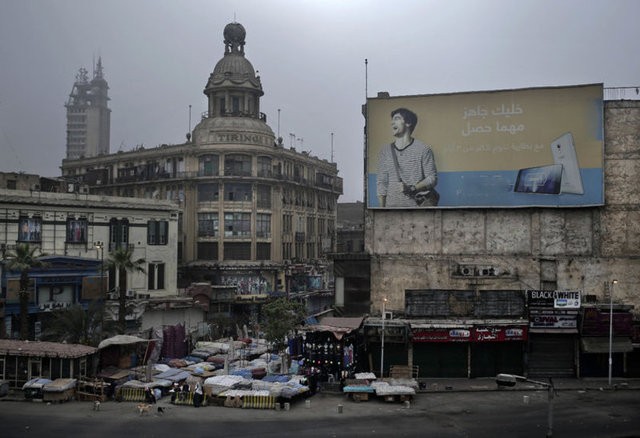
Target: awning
(121, 340)
(338, 326)
(601, 345)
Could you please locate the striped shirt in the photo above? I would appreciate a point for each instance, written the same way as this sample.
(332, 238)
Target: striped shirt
(416, 163)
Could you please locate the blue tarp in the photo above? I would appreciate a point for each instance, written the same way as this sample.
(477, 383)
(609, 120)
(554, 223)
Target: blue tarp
(173, 375)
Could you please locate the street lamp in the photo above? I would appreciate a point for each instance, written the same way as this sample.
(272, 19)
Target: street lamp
(512, 379)
(100, 245)
(613, 283)
(384, 302)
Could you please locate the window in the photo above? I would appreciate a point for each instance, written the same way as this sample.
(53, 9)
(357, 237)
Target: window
(208, 165)
(208, 192)
(263, 251)
(207, 250)
(311, 228)
(311, 250)
(237, 165)
(208, 225)
(118, 233)
(237, 224)
(30, 229)
(76, 230)
(287, 221)
(286, 250)
(235, 103)
(157, 232)
(237, 251)
(155, 276)
(264, 196)
(264, 166)
(263, 225)
(237, 192)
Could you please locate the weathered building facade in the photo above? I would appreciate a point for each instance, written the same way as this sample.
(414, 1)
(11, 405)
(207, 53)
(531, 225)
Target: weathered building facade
(78, 232)
(251, 209)
(454, 274)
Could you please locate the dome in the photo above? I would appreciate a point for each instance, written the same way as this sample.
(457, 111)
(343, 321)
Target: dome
(234, 66)
(234, 70)
(234, 33)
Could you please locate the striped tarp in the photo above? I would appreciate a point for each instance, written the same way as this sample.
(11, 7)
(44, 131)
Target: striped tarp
(127, 393)
(258, 402)
(184, 398)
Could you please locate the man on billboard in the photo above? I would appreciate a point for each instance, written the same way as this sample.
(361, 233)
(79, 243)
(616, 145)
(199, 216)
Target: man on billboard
(407, 173)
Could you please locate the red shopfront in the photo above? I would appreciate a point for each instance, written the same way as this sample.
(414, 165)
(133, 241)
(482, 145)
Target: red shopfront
(480, 350)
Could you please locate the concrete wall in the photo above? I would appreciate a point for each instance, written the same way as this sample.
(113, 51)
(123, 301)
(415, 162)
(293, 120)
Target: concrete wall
(190, 317)
(565, 248)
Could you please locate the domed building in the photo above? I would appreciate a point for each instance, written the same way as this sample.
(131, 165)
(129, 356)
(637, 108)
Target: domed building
(254, 214)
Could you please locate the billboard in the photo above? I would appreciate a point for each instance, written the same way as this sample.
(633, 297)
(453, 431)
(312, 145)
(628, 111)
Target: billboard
(507, 148)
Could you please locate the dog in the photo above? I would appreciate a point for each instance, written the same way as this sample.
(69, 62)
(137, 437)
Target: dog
(96, 405)
(160, 410)
(143, 408)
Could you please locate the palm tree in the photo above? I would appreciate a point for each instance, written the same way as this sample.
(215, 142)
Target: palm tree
(122, 260)
(77, 326)
(24, 259)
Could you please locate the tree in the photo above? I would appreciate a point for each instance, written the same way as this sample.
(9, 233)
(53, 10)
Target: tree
(77, 326)
(23, 260)
(122, 260)
(282, 316)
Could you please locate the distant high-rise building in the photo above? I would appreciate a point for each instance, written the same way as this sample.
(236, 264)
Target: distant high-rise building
(88, 117)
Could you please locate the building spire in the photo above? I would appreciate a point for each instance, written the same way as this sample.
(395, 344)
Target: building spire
(98, 72)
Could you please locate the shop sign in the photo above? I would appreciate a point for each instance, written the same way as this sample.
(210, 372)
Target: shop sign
(557, 299)
(441, 335)
(499, 334)
(553, 321)
(475, 334)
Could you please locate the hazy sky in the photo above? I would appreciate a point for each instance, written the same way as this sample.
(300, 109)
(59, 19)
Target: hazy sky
(158, 54)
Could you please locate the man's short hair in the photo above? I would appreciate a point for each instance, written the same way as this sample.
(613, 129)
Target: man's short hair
(410, 118)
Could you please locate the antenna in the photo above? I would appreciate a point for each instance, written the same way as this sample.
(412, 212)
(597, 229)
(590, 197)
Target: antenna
(278, 122)
(332, 147)
(366, 79)
(189, 131)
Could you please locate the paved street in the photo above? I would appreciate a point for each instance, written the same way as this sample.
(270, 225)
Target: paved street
(477, 413)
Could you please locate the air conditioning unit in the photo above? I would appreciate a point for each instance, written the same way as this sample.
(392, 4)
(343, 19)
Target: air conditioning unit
(387, 315)
(83, 190)
(130, 294)
(467, 270)
(488, 271)
(113, 295)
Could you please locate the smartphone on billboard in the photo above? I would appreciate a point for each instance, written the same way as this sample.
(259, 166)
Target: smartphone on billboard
(541, 179)
(564, 153)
